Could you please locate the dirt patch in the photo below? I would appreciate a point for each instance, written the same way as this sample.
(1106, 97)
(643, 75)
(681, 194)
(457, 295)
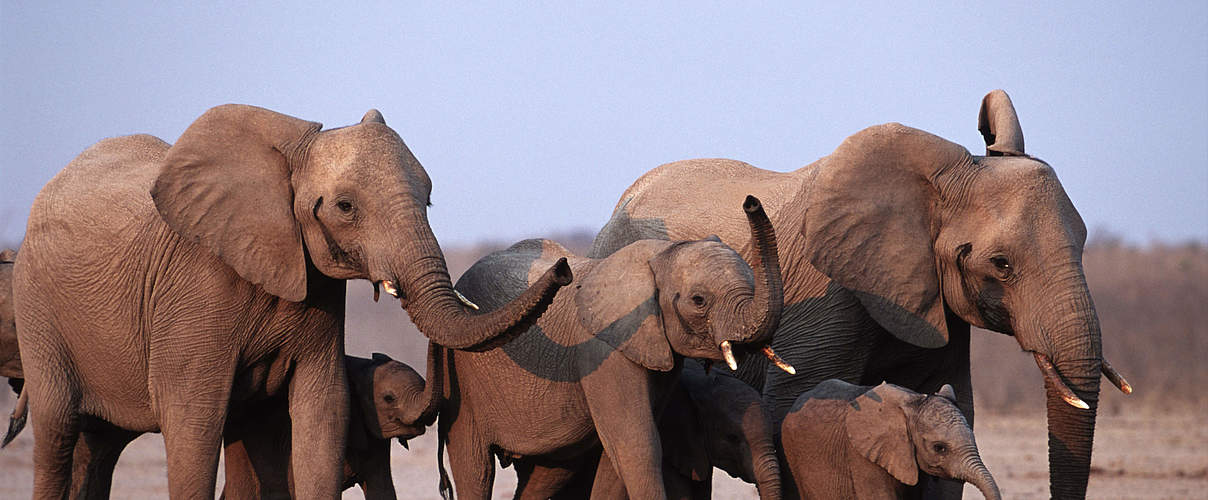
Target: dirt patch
(1135, 457)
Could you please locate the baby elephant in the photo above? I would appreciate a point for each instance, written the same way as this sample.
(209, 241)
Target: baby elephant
(389, 400)
(848, 441)
(716, 420)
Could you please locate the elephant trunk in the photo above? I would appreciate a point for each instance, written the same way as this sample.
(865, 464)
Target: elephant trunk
(433, 392)
(974, 472)
(447, 319)
(766, 470)
(762, 315)
(1072, 328)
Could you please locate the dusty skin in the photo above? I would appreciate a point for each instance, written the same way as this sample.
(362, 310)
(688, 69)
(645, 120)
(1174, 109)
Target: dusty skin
(1135, 457)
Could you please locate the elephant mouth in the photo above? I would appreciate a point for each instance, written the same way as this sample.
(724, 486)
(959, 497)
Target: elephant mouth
(727, 352)
(1050, 373)
(390, 288)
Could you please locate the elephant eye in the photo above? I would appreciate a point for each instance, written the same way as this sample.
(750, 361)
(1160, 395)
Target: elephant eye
(940, 448)
(388, 398)
(1002, 264)
(698, 300)
(344, 206)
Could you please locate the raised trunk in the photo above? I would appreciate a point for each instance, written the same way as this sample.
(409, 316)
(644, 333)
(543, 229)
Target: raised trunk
(441, 316)
(433, 391)
(766, 470)
(762, 315)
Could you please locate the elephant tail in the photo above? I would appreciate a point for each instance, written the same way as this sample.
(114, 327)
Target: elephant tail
(16, 421)
(446, 486)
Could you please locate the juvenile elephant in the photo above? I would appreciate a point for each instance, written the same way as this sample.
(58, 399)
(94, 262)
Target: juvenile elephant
(892, 246)
(849, 441)
(599, 364)
(159, 283)
(716, 420)
(389, 400)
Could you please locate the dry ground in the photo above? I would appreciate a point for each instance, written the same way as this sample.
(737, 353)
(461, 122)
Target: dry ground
(1135, 457)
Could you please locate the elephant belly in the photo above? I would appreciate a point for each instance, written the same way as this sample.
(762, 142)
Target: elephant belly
(521, 412)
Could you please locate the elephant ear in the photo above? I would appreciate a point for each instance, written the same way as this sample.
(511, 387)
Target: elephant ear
(617, 302)
(999, 125)
(876, 427)
(869, 226)
(225, 184)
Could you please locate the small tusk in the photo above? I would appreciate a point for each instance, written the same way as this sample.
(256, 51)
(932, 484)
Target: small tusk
(464, 300)
(376, 292)
(1050, 373)
(1115, 378)
(728, 353)
(389, 287)
(767, 351)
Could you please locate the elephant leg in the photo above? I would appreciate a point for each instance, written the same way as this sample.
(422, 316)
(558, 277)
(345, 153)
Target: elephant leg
(621, 407)
(607, 485)
(543, 481)
(55, 437)
(472, 462)
(256, 452)
(318, 412)
(372, 471)
(96, 454)
(54, 409)
(192, 394)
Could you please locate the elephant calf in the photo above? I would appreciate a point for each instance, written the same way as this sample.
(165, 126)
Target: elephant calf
(389, 400)
(848, 441)
(716, 420)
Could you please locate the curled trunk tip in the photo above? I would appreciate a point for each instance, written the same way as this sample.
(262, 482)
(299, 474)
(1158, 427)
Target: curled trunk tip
(764, 311)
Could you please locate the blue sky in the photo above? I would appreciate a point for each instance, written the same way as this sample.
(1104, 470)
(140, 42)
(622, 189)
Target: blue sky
(533, 118)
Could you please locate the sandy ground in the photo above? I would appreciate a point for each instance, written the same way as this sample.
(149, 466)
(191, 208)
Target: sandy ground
(1135, 457)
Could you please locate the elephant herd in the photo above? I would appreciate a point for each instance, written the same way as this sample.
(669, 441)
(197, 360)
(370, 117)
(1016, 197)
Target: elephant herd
(806, 331)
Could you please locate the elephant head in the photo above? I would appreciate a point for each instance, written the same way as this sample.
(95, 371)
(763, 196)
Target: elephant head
(394, 398)
(284, 203)
(903, 432)
(696, 298)
(931, 236)
(717, 420)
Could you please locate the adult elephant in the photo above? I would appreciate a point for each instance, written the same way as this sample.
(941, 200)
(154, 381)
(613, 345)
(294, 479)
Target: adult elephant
(891, 247)
(157, 283)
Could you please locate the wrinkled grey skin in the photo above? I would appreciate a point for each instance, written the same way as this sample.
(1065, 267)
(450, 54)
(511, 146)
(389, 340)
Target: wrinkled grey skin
(160, 284)
(598, 366)
(389, 401)
(891, 247)
(847, 441)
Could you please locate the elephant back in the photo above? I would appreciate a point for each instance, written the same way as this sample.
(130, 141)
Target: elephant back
(503, 275)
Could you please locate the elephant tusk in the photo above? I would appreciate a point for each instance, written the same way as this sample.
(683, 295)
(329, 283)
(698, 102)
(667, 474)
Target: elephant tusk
(1114, 377)
(728, 353)
(16, 421)
(464, 300)
(1050, 373)
(389, 287)
(767, 351)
